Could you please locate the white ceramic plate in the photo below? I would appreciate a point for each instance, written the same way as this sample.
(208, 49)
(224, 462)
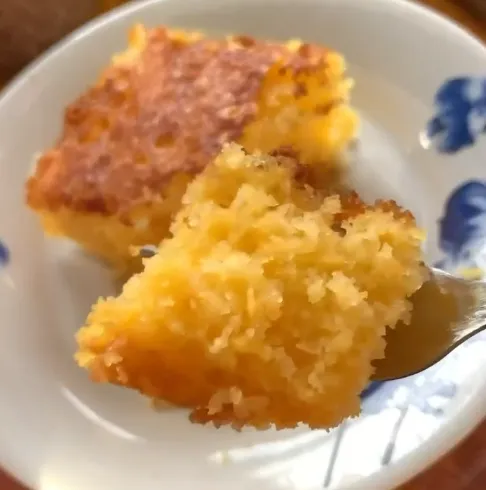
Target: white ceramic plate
(59, 431)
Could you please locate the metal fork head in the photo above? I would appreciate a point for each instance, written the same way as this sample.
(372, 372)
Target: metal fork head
(447, 311)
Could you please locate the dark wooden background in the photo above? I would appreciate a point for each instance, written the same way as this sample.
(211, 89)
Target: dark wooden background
(465, 467)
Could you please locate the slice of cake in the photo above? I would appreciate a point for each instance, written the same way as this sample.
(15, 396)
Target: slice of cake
(268, 304)
(162, 111)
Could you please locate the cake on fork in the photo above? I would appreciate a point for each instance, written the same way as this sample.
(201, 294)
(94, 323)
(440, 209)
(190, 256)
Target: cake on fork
(267, 305)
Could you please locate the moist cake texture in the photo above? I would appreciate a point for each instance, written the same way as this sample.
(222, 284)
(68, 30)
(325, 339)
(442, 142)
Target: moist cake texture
(162, 111)
(266, 306)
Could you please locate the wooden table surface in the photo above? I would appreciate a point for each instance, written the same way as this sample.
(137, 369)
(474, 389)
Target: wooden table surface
(465, 467)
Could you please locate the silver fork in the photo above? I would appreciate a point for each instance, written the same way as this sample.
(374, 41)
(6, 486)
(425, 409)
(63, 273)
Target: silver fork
(447, 310)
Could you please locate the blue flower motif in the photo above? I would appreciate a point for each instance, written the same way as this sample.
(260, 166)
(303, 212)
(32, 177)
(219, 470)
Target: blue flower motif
(462, 228)
(4, 255)
(372, 388)
(461, 114)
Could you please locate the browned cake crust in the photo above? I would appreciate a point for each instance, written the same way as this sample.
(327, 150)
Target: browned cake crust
(168, 111)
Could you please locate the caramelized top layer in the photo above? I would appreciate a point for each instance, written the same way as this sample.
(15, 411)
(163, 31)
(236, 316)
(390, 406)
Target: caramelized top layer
(166, 105)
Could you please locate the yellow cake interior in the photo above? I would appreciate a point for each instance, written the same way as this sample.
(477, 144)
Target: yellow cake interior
(266, 306)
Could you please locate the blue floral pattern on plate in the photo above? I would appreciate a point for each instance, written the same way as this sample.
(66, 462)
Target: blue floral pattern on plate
(461, 114)
(4, 255)
(459, 120)
(462, 229)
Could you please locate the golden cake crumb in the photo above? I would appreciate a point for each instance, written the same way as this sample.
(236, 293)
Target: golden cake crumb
(266, 306)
